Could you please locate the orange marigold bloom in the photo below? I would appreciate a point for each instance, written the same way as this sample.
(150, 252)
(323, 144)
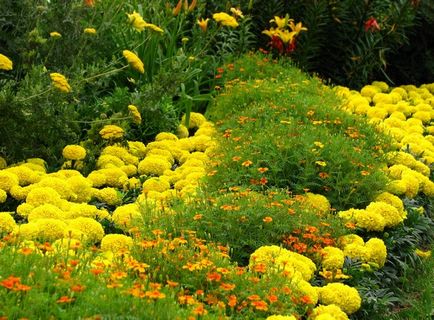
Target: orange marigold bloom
(247, 163)
(254, 297)
(227, 286)
(155, 294)
(267, 219)
(65, 299)
(214, 276)
(232, 300)
(262, 170)
(260, 305)
(236, 158)
(78, 288)
(200, 310)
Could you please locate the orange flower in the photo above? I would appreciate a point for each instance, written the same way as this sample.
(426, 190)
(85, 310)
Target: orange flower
(323, 175)
(25, 251)
(350, 225)
(155, 294)
(65, 299)
(247, 163)
(254, 297)
(172, 284)
(263, 181)
(260, 305)
(365, 173)
(10, 282)
(260, 267)
(78, 288)
(227, 286)
(272, 298)
(267, 219)
(306, 299)
(236, 158)
(21, 287)
(232, 300)
(197, 217)
(200, 310)
(263, 170)
(96, 271)
(214, 276)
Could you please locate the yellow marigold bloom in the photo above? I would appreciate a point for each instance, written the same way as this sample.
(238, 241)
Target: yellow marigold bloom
(111, 131)
(134, 61)
(89, 31)
(345, 297)
(49, 229)
(377, 251)
(330, 309)
(7, 223)
(60, 82)
(332, 258)
(3, 196)
(154, 165)
(5, 63)
(225, 20)
(74, 152)
(280, 317)
(127, 216)
(55, 35)
(8, 180)
(90, 227)
(137, 117)
(203, 24)
(109, 195)
(116, 243)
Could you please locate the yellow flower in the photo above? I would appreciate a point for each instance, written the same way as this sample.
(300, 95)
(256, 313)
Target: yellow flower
(55, 35)
(286, 36)
(116, 243)
(60, 82)
(89, 31)
(5, 63)
(281, 22)
(134, 61)
(154, 27)
(203, 24)
(237, 12)
(297, 28)
(139, 24)
(137, 118)
(137, 21)
(225, 20)
(423, 254)
(74, 152)
(111, 132)
(271, 33)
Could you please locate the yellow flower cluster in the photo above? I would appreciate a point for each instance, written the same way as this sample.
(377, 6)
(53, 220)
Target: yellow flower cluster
(116, 243)
(280, 317)
(111, 131)
(74, 152)
(341, 295)
(331, 310)
(137, 117)
(225, 19)
(139, 24)
(60, 82)
(134, 61)
(281, 260)
(332, 258)
(373, 252)
(5, 63)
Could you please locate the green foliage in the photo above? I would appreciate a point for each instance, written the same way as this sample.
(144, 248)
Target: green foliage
(310, 143)
(38, 127)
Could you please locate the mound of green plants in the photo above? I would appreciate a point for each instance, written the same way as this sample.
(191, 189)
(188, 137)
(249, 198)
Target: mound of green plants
(282, 129)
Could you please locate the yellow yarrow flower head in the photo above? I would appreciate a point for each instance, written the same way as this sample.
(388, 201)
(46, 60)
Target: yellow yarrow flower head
(60, 82)
(74, 152)
(134, 61)
(5, 63)
(137, 118)
(89, 31)
(55, 35)
(225, 20)
(111, 131)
